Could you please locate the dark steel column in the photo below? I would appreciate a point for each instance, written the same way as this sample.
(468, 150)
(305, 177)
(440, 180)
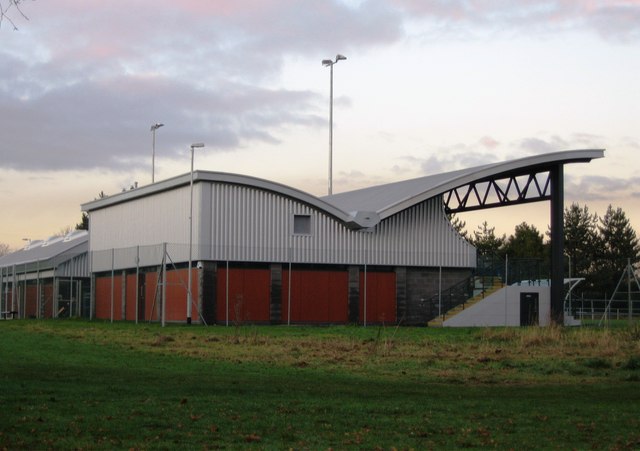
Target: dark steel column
(557, 244)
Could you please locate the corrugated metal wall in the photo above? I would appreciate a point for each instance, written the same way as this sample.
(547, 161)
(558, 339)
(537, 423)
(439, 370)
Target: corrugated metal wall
(78, 266)
(158, 218)
(241, 223)
(245, 224)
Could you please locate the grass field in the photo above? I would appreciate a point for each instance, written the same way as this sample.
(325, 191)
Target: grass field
(90, 385)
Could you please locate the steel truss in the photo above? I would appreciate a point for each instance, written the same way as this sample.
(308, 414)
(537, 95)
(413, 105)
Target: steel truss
(499, 191)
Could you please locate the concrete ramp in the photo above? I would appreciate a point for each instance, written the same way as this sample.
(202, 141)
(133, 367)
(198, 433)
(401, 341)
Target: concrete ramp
(502, 308)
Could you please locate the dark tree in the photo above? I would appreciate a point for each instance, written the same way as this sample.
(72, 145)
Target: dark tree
(526, 242)
(84, 222)
(618, 245)
(581, 240)
(527, 254)
(486, 241)
(459, 225)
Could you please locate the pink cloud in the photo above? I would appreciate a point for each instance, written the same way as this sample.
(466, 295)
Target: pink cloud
(608, 18)
(489, 142)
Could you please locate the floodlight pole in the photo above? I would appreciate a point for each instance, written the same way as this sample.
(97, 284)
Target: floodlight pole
(330, 63)
(154, 127)
(189, 297)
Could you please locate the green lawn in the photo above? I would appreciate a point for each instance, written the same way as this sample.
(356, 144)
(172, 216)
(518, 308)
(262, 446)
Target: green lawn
(90, 385)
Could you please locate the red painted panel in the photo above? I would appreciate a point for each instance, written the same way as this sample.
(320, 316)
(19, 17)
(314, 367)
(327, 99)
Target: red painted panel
(103, 297)
(317, 296)
(31, 301)
(249, 293)
(47, 299)
(152, 296)
(381, 297)
(177, 284)
(132, 291)
(117, 297)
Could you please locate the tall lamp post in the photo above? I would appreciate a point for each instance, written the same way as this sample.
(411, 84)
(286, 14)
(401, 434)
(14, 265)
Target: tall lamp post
(330, 63)
(154, 127)
(189, 297)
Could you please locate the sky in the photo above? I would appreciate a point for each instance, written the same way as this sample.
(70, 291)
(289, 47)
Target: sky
(428, 86)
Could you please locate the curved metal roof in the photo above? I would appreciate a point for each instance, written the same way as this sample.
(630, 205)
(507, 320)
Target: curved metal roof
(363, 208)
(387, 200)
(48, 250)
(354, 221)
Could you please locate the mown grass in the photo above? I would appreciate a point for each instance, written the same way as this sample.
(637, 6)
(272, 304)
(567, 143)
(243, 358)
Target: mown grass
(90, 385)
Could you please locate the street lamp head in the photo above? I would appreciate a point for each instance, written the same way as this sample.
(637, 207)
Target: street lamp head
(327, 62)
(156, 126)
(197, 145)
(340, 57)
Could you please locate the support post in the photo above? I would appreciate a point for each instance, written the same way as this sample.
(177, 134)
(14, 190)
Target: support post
(137, 281)
(123, 294)
(2, 289)
(557, 244)
(163, 310)
(92, 288)
(112, 282)
(629, 276)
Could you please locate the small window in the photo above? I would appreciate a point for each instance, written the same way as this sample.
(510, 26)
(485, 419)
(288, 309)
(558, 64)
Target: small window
(302, 225)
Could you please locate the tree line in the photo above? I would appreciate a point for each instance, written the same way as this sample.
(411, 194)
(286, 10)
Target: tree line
(597, 248)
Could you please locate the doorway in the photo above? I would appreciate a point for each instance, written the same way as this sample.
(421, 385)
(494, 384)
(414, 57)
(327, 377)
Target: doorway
(529, 309)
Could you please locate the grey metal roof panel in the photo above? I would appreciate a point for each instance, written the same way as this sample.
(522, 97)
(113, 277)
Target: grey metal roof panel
(43, 251)
(388, 199)
(376, 198)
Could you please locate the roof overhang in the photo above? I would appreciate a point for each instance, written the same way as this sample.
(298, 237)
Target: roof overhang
(364, 208)
(388, 200)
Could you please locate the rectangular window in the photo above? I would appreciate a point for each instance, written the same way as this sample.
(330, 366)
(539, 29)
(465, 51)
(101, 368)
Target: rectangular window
(302, 224)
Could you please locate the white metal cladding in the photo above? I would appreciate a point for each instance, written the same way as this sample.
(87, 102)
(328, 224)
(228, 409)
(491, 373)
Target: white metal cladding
(132, 257)
(247, 224)
(242, 223)
(148, 220)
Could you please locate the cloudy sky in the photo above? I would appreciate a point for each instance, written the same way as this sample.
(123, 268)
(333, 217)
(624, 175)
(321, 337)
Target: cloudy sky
(428, 86)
